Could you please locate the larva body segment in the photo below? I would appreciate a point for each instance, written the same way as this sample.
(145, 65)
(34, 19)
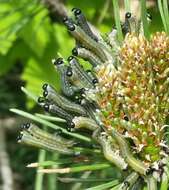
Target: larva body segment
(79, 76)
(130, 181)
(85, 122)
(54, 109)
(134, 163)
(66, 86)
(111, 154)
(32, 141)
(43, 135)
(63, 102)
(89, 43)
(86, 54)
(82, 22)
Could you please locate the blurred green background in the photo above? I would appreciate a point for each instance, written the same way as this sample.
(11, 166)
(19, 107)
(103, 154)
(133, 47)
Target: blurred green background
(31, 35)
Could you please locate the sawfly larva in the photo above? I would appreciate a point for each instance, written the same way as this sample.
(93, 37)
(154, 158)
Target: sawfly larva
(66, 86)
(54, 109)
(82, 22)
(52, 95)
(28, 139)
(134, 163)
(87, 55)
(79, 75)
(85, 122)
(111, 154)
(41, 134)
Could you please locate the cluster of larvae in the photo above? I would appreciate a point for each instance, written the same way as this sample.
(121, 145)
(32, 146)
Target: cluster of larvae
(123, 101)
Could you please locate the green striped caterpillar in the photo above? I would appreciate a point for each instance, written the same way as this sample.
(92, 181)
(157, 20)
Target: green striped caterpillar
(84, 122)
(87, 55)
(111, 153)
(79, 76)
(28, 139)
(134, 163)
(82, 22)
(43, 135)
(63, 102)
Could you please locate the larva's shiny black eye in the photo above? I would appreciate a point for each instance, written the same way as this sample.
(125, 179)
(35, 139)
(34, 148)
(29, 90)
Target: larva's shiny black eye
(76, 11)
(27, 125)
(94, 81)
(65, 19)
(128, 15)
(45, 93)
(69, 72)
(70, 58)
(71, 125)
(126, 118)
(46, 107)
(41, 100)
(74, 51)
(71, 26)
(58, 61)
(44, 87)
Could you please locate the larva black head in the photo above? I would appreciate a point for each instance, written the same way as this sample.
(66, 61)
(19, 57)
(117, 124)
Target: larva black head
(71, 125)
(126, 118)
(46, 107)
(41, 100)
(69, 72)
(69, 24)
(75, 52)
(76, 11)
(19, 137)
(25, 126)
(128, 15)
(45, 93)
(70, 58)
(58, 61)
(65, 19)
(95, 81)
(44, 87)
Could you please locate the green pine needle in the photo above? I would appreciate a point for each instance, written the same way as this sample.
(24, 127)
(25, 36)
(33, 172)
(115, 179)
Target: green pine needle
(117, 19)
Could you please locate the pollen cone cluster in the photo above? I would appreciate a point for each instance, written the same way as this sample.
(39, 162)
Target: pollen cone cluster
(122, 102)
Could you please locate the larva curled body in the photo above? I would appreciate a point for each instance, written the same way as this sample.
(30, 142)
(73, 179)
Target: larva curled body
(134, 163)
(111, 154)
